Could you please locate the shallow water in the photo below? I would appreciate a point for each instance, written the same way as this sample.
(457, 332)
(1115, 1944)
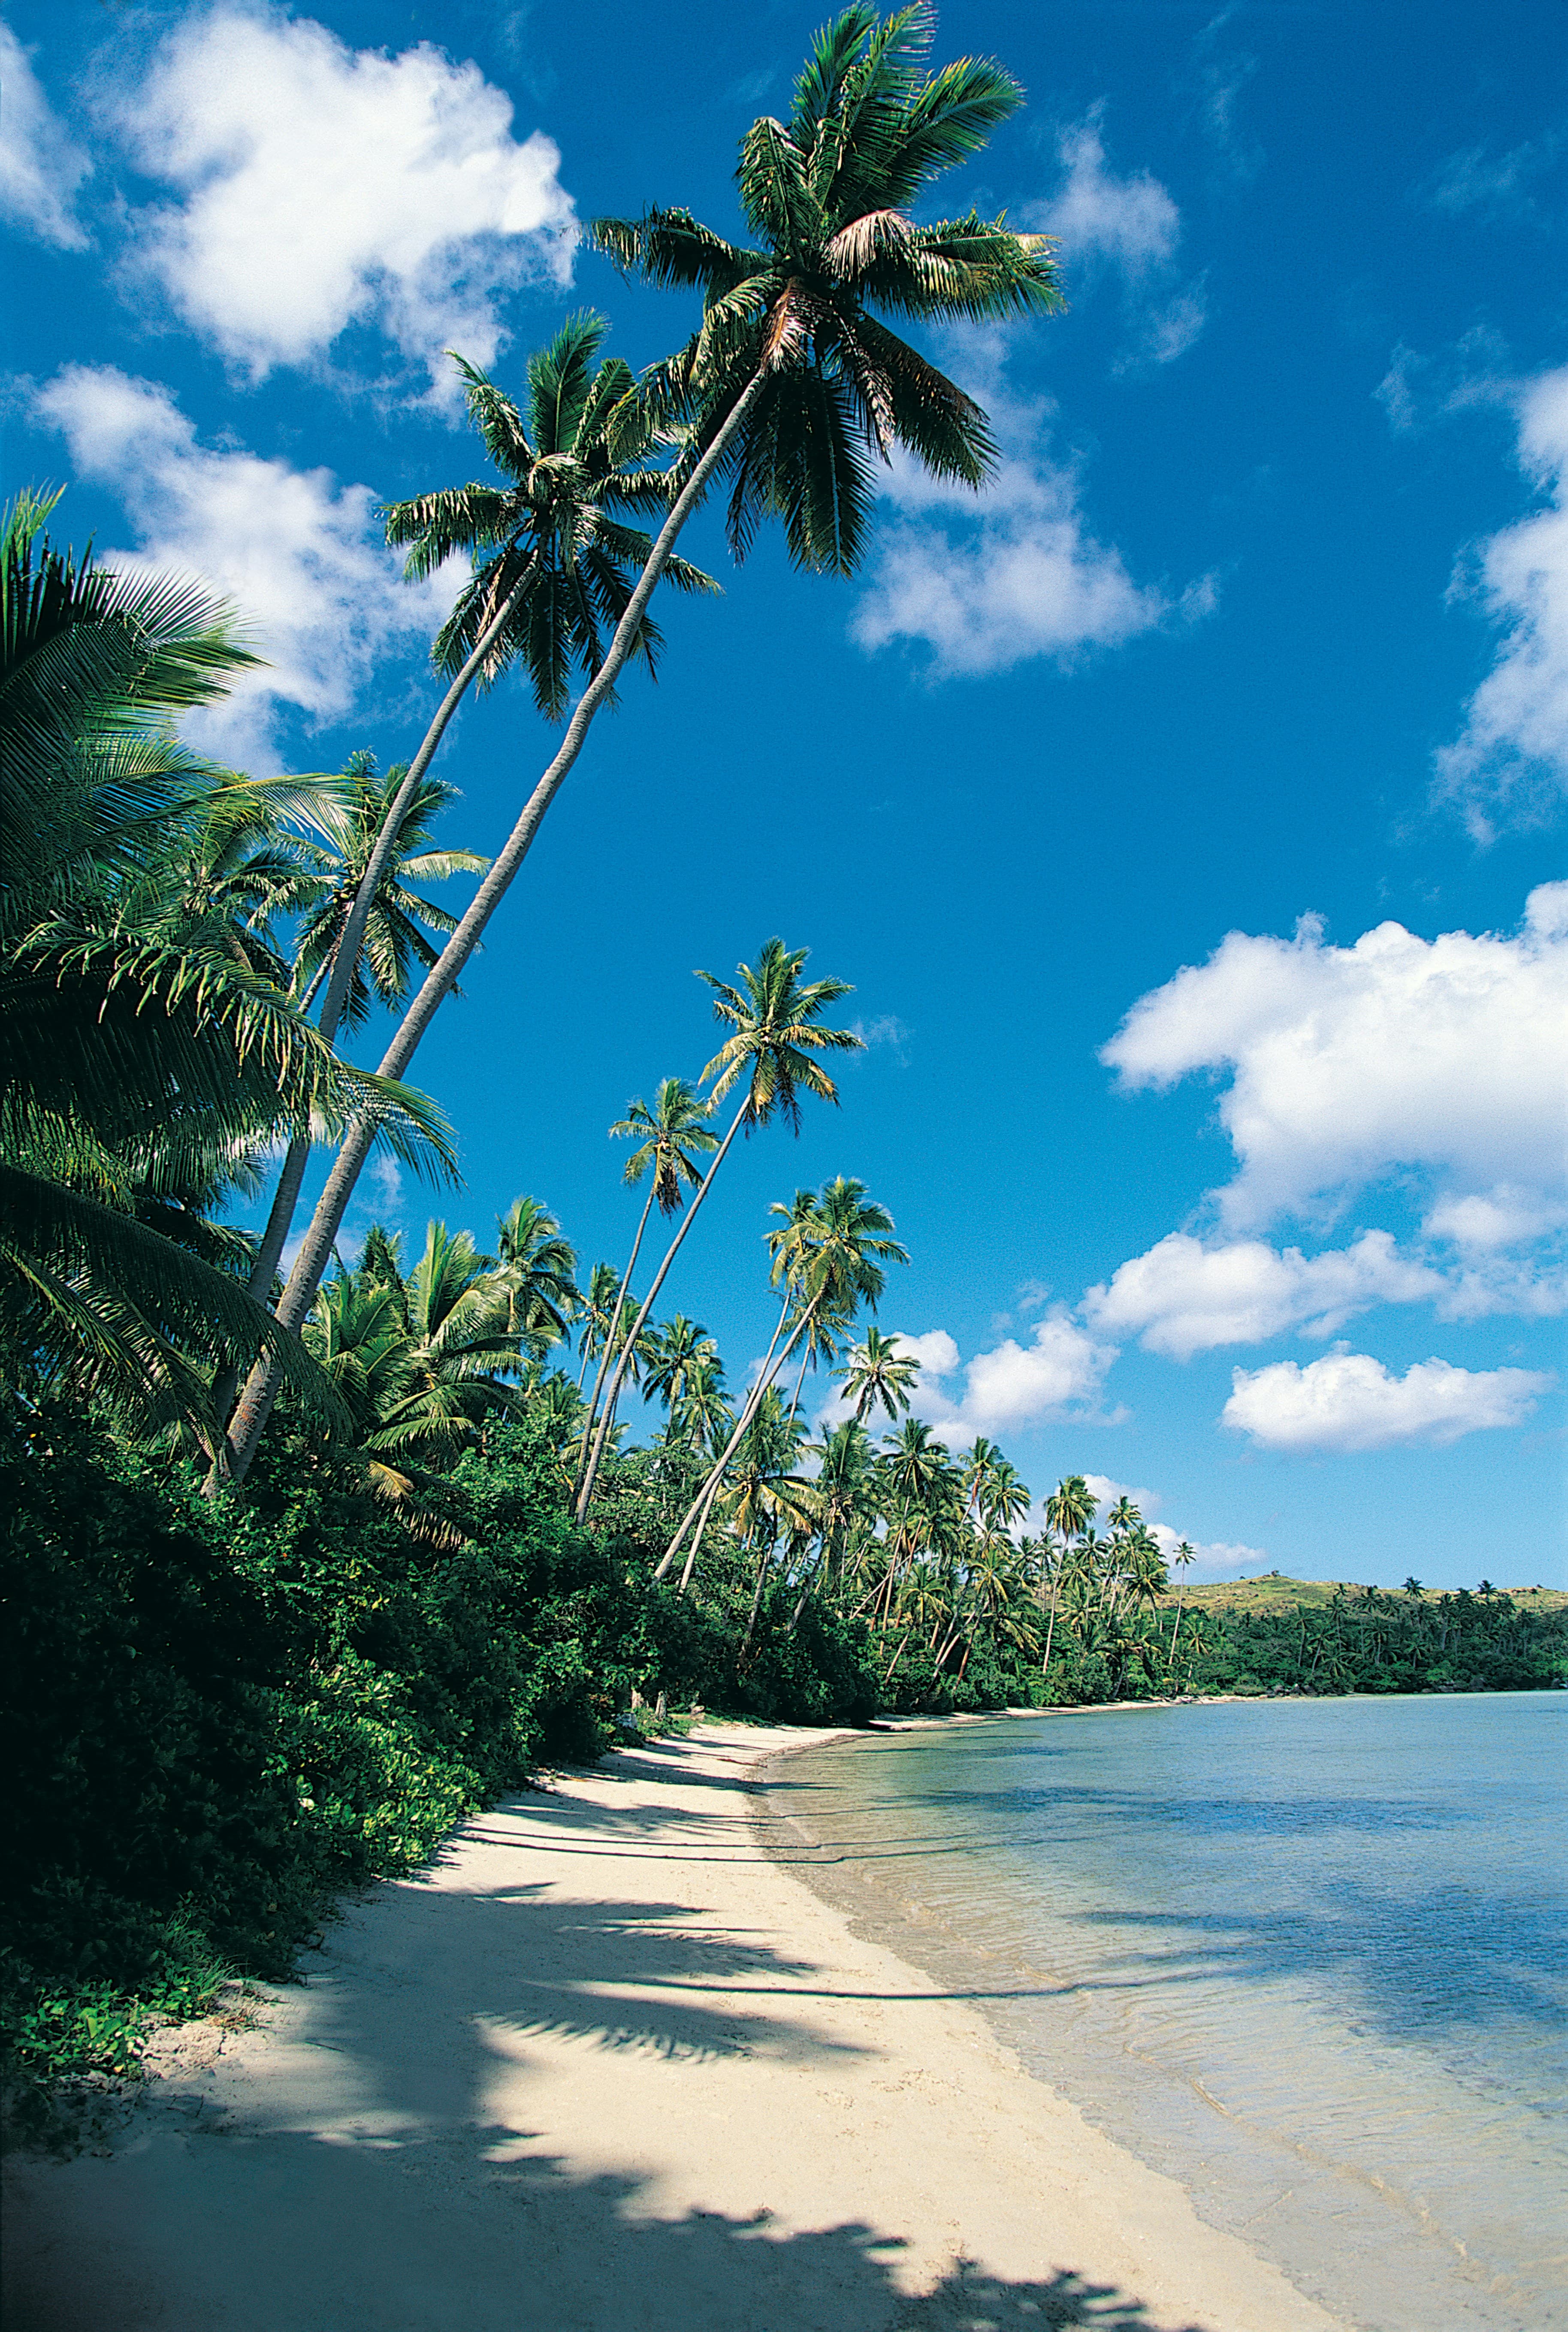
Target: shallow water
(1310, 1957)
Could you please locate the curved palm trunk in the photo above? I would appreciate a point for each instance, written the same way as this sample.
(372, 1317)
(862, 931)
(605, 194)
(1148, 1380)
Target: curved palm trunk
(1176, 1628)
(624, 1358)
(255, 1406)
(1051, 1625)
(748, 1408)
(608, 1354)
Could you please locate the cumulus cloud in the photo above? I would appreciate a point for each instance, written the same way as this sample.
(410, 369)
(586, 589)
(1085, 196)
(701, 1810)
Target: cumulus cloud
(1443, 1058)
(321, 186)
(298, 553)
(989, 582)
(1349, 1402)
(1128, 225)
(1057, 1372)
(41, 165)
(1514, 747)
(1182, 1298)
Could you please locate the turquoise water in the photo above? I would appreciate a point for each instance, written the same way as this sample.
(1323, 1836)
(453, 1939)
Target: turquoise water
(1310, 1957)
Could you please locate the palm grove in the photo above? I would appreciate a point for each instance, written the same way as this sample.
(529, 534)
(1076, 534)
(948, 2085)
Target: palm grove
(300, 1566)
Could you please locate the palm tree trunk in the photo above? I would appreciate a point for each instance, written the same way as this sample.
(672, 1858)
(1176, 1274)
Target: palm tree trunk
(1176, 1628)
(748, 1408)
(804, 1364)
(1051, 1624)
(623, 1360)
(610, 1337)
(255, 1403)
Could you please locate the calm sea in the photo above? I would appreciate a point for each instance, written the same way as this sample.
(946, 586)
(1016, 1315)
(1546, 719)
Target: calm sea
(1310, 1957)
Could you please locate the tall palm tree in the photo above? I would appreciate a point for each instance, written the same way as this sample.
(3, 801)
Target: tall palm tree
(777, 1018)
(918, 1477)
(830, 1254)
(670, 1139)
(877, 1373)
(556, 564)
(1069, 1511)
(1182, 1556)
(792, 384)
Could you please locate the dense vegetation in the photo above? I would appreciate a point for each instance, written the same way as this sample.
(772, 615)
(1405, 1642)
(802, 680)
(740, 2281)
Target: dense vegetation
(296, 1572)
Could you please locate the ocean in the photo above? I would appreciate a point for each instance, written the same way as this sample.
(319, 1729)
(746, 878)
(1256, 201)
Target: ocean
(1309, 1957)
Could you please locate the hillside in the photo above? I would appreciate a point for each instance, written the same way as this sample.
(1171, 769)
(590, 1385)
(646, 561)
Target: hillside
(1272, 1590)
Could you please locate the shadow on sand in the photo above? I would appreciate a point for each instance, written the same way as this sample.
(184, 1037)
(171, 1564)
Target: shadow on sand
(377, 2174)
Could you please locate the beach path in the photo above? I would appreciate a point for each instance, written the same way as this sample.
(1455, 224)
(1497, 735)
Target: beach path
(608, 2067)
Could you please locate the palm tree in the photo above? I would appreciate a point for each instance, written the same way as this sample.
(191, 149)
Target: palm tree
(596, 1306)
(703, 1416)
(838, 1498)
(1182, 1556)
(918, 1475)
(146, 1048)
(791, 383)
(360, 817)
(670, 1138)
(876, 1373)
(560, 566)
(538, 1268)
(830, 1254)
(1069, 1511)
(681, 1347)
(776, 1018)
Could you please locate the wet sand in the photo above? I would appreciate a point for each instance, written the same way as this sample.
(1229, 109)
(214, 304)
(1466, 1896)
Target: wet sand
(608, 2066)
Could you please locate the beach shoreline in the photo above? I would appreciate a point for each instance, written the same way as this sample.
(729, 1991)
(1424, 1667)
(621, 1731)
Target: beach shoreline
(609, 2063)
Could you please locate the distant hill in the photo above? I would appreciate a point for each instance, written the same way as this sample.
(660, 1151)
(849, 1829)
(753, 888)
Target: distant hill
(1272, 1589)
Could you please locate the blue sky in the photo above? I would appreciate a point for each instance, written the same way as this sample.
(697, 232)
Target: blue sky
(1187, 813)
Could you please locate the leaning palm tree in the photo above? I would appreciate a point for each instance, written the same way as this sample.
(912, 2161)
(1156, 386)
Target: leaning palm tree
(557, 567)
(776, 1018)
(670, 1138)
(791, 385)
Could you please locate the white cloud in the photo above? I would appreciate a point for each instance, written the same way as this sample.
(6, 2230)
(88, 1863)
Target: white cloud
(1130, 224)
(1443, 1057)
(298, 554)
(1013, 1386)
(1220, 78)
(41, 166)
(322, 186)
(1498, 185)
(1182, 1298)
(1514, 742)
(1348, 1402)
(987, 582)
(1059, 1372)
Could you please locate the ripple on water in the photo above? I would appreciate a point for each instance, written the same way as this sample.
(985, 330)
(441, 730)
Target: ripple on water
(1310, 1957)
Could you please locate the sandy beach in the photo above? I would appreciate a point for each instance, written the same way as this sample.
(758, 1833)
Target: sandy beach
(609, 2066)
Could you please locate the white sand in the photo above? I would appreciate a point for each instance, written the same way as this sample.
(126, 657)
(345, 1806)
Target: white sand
(609, 2068)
